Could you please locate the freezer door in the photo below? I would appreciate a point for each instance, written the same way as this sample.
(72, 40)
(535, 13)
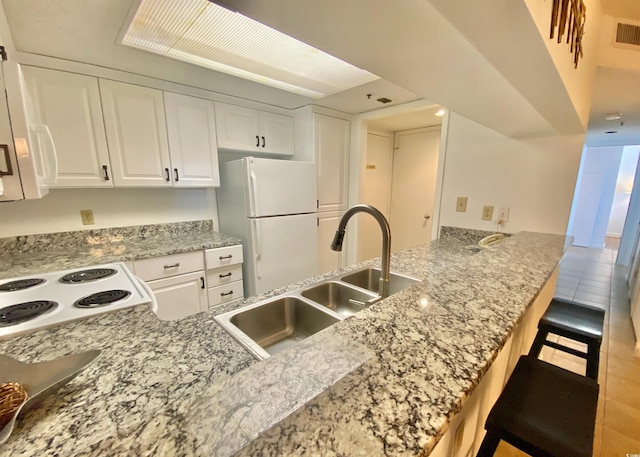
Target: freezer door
(280, 187)
(284, 250)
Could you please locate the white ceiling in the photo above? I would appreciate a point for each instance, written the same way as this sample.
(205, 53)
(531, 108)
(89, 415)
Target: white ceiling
(424, 117)
(84, 31)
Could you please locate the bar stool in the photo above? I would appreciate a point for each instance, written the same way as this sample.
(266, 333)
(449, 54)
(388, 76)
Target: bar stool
(575, 321)
(544, 411)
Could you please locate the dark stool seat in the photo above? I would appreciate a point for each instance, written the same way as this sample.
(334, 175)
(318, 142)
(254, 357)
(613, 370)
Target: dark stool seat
(544, 411)
(575, 321)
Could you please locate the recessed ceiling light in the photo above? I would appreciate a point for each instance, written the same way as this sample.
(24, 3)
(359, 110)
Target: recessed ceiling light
(440, 112)
(208, 35)
(613, 116)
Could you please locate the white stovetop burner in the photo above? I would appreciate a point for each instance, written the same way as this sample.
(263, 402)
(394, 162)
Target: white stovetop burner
(67, 297)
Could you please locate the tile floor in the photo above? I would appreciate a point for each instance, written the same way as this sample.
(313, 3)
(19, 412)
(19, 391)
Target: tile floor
(590, 276)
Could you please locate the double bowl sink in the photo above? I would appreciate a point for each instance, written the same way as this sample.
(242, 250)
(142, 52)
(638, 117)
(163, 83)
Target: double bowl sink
(270, 326)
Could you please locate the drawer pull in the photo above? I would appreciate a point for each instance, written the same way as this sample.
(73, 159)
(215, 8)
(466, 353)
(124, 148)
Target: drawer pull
(225, 257)
(225, 275)
(202, 282)
(175, 265)
(224, 294)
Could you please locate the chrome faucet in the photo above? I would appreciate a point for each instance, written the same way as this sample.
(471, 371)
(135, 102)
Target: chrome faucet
(336, 245)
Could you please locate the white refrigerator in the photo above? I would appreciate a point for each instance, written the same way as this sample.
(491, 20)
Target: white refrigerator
(270, 204)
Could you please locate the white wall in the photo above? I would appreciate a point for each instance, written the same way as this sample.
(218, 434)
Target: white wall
(535, 178)
(624, 185)
(60, 209)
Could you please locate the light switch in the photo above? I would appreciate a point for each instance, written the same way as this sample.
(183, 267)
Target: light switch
(461, 205)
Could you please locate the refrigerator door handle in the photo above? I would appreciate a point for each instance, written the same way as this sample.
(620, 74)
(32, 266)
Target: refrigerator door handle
(253, 192)
(257, 243)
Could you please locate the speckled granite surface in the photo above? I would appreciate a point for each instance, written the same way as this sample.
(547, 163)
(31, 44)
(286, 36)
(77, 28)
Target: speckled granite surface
(469, 236)
(25, 255)
(396, 374)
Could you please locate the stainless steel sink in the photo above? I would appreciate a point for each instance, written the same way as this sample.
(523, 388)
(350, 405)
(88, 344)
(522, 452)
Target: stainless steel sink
(339, 297)
(268, 327)
(369, 277)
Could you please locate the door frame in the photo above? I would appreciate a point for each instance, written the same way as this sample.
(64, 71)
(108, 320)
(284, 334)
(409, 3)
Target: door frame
(357, 164)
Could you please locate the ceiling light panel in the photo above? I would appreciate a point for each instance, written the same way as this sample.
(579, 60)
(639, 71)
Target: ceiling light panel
(208, 35)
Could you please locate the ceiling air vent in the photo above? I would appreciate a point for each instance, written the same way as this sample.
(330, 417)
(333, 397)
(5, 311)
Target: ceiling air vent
(627, 36)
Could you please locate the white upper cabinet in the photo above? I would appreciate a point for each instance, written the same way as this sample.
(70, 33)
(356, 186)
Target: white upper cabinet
(246, 129)
(69, 104)
(136, 134)
(192, 141)
(331, 153)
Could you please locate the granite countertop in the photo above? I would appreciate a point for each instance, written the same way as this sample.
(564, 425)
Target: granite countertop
(385, 382)
(26, 255)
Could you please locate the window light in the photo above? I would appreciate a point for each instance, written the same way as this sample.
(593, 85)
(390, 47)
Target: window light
(208, 35)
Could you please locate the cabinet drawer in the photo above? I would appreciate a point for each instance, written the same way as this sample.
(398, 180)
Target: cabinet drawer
(169, 265)
(221, 257)
(225, 275)
(225, 293)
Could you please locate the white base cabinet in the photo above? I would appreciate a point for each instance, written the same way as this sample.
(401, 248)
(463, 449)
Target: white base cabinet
(224, 275)
(180, 296)
(178, 283)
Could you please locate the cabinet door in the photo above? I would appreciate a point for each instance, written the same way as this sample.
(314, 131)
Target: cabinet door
(331, 144)
(69, 104)
(191, 130)
(276, 133)
(136, 134)
(237, 127)
(180, 296)
(329, 260)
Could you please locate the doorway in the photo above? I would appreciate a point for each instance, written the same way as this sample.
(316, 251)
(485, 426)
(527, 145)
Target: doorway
(602, 195)
(400, 179)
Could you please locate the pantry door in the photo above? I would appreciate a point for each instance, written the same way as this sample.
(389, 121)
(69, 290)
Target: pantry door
(413, 187)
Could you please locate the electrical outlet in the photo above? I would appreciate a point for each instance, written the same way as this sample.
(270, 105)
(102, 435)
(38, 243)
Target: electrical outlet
(87, 217)
(503, 214)
(461, 205)
(487, 213)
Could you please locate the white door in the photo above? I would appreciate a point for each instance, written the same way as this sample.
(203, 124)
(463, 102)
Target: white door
(180, 296)
(376, 191)
(191, 130)
(283, 250)
(331, 145)
(279, 187)
(276, 133)
(328, 259)
(136, 134)
(237, 127)
(69, 104)
(415, 168)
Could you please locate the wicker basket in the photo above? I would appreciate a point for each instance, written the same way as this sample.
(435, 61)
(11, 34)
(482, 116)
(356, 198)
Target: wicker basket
(12, 395)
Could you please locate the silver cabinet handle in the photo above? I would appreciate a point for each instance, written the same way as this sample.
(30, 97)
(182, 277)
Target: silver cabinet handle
(175, 265)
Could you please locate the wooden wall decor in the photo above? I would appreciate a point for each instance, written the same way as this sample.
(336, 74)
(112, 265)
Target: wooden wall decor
(569, 16)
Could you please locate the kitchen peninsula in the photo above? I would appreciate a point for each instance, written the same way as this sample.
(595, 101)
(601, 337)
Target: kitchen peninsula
(389, 381)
